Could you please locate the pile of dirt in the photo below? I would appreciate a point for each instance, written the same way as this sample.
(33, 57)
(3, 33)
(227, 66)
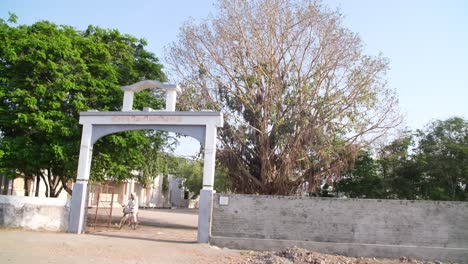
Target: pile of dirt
(296, 255)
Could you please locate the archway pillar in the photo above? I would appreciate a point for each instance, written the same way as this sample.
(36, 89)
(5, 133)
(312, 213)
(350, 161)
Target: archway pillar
(80, 187)
(206, 193)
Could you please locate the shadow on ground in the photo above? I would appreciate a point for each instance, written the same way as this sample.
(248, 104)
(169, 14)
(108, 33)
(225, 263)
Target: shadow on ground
(117, 235)
(167, 226)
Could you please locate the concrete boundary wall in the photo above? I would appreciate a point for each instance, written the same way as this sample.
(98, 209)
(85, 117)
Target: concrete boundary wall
(427, 230)
(36, 213)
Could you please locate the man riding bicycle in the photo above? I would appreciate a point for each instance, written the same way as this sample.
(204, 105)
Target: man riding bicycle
(130, 211)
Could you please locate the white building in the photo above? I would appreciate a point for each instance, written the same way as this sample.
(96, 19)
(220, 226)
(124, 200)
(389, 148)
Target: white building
(175, 196)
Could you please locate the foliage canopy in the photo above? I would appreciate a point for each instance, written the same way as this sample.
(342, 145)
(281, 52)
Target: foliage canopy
(48, 74)
(431, 164)
(300, 97)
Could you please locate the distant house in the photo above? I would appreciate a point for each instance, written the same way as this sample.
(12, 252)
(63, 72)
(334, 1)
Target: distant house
(17, 187)
(153, 196)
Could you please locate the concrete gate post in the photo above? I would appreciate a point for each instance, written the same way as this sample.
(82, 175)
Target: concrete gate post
(206, 193)
(80, 188)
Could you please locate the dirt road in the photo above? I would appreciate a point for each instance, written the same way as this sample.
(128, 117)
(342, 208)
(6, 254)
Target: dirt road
(165, 236)
(20, 246)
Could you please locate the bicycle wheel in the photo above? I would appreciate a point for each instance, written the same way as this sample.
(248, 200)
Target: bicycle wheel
(122, 222)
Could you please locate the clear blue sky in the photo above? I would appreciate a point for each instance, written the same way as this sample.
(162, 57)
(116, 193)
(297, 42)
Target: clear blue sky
(425, 40)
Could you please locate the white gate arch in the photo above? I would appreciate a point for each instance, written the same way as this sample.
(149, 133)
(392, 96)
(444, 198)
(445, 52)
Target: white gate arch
(201, 125)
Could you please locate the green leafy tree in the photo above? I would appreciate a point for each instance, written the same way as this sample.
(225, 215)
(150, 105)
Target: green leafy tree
(299, 96)
(191, 171)
(48, 74)
(432, 165)
(394, 173)
(362, 180)
(443, 155)
(400, 172)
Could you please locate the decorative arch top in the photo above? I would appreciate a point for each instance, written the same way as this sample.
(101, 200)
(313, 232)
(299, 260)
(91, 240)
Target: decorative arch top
(129, 90)
(149, 84)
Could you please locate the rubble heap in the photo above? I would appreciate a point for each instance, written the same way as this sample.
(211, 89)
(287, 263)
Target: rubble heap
(297, 255)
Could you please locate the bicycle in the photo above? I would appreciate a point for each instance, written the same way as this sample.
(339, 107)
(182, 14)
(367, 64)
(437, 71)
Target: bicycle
(127, 219)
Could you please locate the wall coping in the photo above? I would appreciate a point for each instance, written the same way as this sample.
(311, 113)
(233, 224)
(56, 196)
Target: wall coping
(340, 199)
(19, 201)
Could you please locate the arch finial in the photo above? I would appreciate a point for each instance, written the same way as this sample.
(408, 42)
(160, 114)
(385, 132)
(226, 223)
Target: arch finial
(129, 90)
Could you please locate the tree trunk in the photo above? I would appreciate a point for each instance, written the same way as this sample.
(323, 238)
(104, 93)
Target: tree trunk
(46, 185)
(50, 180)
(38, 185)
(2, 178)
(5, 186)
(65, 186)
(12, 184)
(54, 182)
(26, 185)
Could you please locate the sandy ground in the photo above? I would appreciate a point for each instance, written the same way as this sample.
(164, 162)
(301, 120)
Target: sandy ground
(166, 236)
(43, 247)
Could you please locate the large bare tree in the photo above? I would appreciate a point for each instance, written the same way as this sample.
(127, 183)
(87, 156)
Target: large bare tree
(298, 94)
